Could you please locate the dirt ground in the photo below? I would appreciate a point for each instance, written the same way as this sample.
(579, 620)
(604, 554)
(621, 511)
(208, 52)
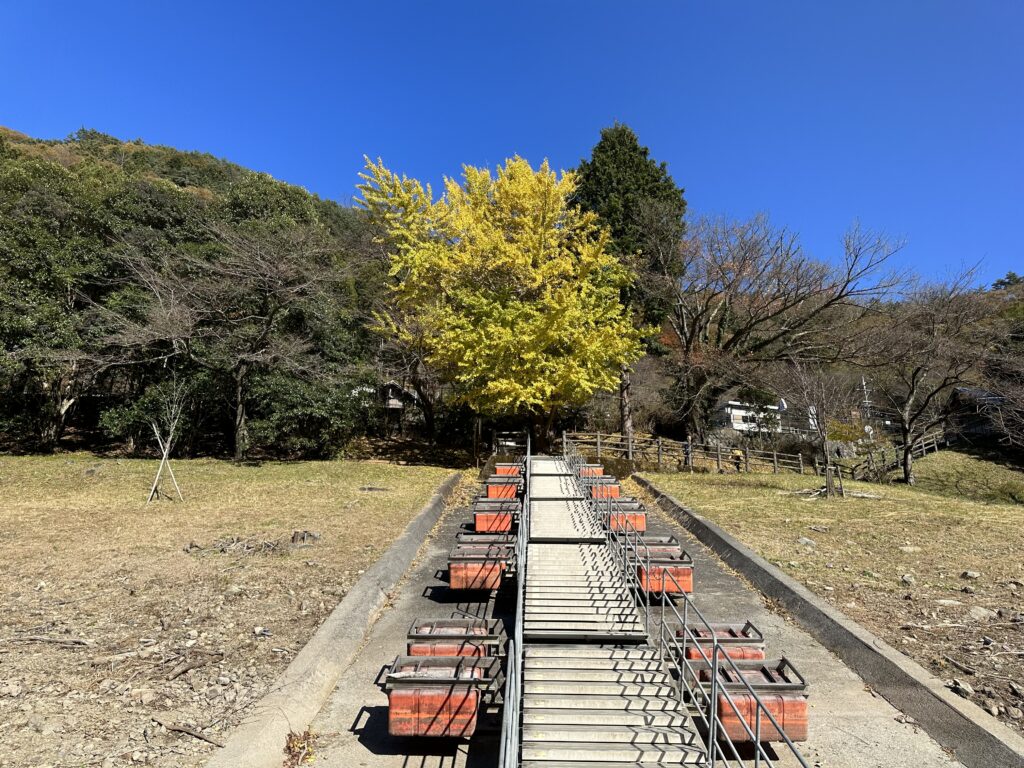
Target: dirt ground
(939, 578)
(134, 634)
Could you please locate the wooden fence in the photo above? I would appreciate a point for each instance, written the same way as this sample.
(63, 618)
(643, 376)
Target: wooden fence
(673, 455)
(879, 463)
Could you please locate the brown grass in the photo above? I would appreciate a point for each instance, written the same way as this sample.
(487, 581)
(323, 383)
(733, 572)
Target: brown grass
(86, 558)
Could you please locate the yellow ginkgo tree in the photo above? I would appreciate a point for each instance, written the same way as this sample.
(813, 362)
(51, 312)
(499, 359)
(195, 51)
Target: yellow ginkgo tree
(507, 287)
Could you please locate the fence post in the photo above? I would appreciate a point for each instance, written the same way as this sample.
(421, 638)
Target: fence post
(629, 446)
(746, 460)
(775, 462)
(718, 457)
(800, 456)
(564, 443)
(689, 452)
(816, 471)
(659, 454)
(599, 444)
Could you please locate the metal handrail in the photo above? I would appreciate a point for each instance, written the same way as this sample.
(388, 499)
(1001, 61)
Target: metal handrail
(632, 551)
(510, 716)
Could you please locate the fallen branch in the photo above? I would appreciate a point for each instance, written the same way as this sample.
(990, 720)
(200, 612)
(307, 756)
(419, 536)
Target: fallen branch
(962, 667)
(170, 725)
(71, 642)
(190, 664)
(113, 658)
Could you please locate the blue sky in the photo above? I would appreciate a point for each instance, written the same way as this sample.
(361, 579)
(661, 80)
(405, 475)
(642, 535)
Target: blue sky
(905, 114)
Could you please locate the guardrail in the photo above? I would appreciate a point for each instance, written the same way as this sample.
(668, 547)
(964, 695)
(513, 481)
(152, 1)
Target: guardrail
(511, 732)
(704, 695)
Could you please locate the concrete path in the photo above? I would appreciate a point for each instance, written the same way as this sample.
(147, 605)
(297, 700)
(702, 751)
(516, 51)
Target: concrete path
(849, 726)
(353, 726)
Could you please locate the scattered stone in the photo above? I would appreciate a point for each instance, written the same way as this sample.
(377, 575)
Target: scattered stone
(960, 688)
(144, 696)
(970, 575)
(805, 542)
(948, 603)
(968, 590)
(910, 549)
(820, 528)
(992, 707)
(11, 689)
(1014, 713)
(981, 614)
(261, 631)
(908, 579)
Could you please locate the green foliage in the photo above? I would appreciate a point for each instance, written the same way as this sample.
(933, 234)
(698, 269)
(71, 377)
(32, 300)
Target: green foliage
(315, 419)
(619, 180)
(1011, 280)
(637, 199)
(844, 433)
(89, 223)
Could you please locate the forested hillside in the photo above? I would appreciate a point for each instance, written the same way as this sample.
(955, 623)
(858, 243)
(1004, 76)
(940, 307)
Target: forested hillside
(140, 283)
(144, 288)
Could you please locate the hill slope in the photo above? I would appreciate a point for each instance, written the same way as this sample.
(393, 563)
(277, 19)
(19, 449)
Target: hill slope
(124, 266)
(960, 475)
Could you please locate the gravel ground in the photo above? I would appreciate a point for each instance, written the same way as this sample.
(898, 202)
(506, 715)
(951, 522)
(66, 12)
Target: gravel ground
(134, 634)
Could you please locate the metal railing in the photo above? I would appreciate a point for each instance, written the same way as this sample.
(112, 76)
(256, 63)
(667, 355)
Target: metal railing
(512, 705)
(681, 627)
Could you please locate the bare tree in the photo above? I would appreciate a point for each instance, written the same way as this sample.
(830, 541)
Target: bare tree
(936, 338)
(165, 428)
(1004, 370)
(825, 395)
(744, 295)
(235, 312)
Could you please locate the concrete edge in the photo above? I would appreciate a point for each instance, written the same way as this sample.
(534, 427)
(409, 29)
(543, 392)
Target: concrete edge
(299, 692)
(977, 739)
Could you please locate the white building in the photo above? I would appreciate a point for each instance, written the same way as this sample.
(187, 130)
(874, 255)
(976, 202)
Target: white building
(745, 417)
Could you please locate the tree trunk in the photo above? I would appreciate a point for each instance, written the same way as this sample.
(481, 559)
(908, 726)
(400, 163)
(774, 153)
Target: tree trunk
(241, 430)
(426, 407)
(549, 427)
(55, 414)
(908, 462)
(625, 403)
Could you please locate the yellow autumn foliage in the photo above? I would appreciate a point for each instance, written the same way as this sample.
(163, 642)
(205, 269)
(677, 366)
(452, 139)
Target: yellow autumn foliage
(508, 288)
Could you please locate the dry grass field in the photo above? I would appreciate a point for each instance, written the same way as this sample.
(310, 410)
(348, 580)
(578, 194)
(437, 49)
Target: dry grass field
(119, 619)
(937, 576)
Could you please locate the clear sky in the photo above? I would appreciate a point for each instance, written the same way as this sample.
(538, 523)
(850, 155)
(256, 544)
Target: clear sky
(905, 114)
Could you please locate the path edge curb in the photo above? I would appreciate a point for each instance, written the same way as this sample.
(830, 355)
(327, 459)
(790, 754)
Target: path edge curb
(954, 723)
(301, 690)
